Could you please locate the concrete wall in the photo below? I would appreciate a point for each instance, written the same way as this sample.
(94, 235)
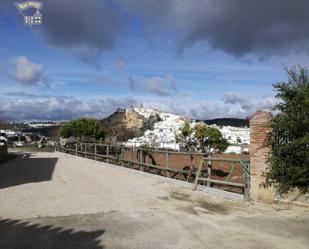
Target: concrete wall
(258, 156)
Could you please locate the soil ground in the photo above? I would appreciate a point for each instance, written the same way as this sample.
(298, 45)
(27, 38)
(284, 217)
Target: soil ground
(58, 201)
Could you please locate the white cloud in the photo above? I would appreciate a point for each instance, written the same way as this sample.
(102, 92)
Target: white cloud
(60, 108)
(266, 103)
(234, 98)
(26, 106)
(246, 105)
(24, 71)
(205, 109)
(161, 86)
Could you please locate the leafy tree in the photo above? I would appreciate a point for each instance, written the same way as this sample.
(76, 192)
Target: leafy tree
(210, 139)
(203, 137)
(289, 137)
(185, 136)
(84, 129)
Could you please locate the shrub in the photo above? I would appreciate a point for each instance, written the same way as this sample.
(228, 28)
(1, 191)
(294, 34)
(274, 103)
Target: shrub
(205, 138)
(84, 129)
(288, 165)
(210, 139)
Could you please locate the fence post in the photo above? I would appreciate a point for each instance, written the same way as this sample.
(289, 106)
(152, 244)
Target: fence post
(141, 159)
(191, 166)
(76, 146)
(107, 153)
(197, 176)
(95, 151)
(85, 150)
(209, 170)
(122, 156)
(132, 151)
(168, 163)
(246, 180)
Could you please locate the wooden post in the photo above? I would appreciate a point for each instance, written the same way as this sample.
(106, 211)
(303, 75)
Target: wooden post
(198, 174)
(141, 159)
(191, 166)
(76, 145)
(85, 150)
(132, 154)
(122, 156)
(107, 153)
(209, 171)
(95, 151)
(168, 163)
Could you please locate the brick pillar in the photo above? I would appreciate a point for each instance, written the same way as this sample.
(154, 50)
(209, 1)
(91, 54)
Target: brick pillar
(258, 156)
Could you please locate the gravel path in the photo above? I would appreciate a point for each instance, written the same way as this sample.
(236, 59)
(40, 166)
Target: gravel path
(53, 200)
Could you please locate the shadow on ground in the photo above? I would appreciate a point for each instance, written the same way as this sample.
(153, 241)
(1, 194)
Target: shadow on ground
(25, 169)
(16, 234)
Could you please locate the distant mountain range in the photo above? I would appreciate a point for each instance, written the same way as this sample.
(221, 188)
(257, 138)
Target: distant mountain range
(236, 122)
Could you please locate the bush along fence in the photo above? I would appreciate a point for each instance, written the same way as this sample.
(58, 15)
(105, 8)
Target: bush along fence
(224, 171)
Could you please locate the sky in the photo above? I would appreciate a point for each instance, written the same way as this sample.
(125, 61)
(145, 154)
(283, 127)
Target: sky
(202, 59)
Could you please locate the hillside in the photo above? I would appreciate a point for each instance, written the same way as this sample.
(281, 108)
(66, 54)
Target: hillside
(236, 122)
(162, 134)
(140, 125)
(128, 123)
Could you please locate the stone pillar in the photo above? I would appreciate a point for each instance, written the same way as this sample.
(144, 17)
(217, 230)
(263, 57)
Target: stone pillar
(258, 155)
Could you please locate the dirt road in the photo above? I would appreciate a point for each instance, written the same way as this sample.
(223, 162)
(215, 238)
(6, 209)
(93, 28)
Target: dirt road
(52, 200)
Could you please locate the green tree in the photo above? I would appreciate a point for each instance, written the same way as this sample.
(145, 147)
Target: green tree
(185, 136)
(288, 164)
(203, 137)
(210, 139)
(84, 129)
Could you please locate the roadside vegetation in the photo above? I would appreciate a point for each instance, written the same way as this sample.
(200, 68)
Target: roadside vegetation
(201, 137)
(83, 129)
(289, 137)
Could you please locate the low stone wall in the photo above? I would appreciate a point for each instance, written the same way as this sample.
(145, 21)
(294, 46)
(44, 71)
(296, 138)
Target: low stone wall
(3, 153)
